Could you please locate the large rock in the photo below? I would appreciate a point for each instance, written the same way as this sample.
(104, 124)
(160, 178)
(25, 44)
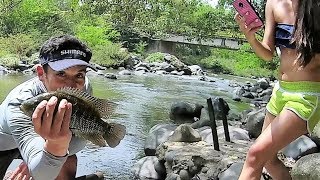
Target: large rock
(233, 172)
(254, 122)
(171, 59)
(132, 61)
(221, 110)
(300, 147)
(125, 72)
(185, 133)
(199, 160)
(190, 159)
(203, 121)
(307, 168)
(157, 135)
(3, 70)
(182, 112)
(234, 133)
(144, 169)
(263, 83)
(196, 70)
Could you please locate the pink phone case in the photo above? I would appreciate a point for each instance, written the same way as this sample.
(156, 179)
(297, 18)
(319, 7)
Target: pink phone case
(244, 6)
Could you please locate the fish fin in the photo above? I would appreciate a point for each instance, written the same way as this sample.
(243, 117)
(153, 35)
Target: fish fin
(95, 138)
(114, 134)
(104, 107)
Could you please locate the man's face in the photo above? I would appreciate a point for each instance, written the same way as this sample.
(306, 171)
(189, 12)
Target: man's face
(71, 77)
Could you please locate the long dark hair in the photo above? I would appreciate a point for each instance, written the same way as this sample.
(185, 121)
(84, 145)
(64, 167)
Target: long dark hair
(307, 31)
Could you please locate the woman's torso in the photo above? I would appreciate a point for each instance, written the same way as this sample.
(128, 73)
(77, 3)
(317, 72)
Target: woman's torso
(289, 70)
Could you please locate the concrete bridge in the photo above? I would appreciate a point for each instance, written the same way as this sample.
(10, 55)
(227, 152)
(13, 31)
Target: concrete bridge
(168, 45)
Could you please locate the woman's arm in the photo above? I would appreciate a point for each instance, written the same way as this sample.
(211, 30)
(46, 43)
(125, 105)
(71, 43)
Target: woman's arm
(265, 48)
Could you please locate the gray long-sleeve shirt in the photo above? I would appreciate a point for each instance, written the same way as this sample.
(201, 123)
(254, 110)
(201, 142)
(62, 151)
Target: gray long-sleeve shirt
(17, 131)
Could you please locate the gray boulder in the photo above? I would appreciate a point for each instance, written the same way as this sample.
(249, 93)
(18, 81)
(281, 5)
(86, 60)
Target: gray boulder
(125, 72)
(300, 147)
(182, 112)
(185, 133)
(307, 168)
(221, 111)
(144, 169)
(233, 172)
(234, 132)
(254, 122)
(263, 83)
(157, 135)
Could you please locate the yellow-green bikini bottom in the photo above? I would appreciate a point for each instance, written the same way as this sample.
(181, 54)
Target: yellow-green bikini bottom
(302, 98)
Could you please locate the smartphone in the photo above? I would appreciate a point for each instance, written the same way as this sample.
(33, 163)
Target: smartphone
(243, 7)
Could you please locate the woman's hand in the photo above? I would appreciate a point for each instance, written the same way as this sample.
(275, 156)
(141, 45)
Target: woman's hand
(54, 128)
(248, 30)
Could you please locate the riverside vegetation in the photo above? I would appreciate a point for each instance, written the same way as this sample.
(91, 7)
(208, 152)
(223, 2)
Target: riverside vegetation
(108, 27)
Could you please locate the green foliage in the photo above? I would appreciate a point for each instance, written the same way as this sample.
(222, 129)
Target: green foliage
(29, 15)
(33, 58)
(155, 57)
(242, 62)
(98, 33)
(90, 19)
(192, 54)
(95, 31)
(208, 22)
(19, 45)
(3, 47)
(216, 65)
(140, 48)
(152, 18)
(258, 4)
(106, 26)
(224, 3)
(9, 60)
(109, 55)
(220, 61)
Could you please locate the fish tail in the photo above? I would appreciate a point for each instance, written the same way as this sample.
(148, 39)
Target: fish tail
(114, 134)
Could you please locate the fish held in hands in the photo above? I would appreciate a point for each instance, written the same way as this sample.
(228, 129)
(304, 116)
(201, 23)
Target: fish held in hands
(87, 115)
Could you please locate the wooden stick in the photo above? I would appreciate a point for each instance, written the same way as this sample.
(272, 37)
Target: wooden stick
(213, 125)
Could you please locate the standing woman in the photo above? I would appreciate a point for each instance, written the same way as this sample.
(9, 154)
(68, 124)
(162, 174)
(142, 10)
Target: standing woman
(294, 108)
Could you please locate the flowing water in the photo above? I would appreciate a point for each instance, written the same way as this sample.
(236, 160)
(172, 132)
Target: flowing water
(144, 101)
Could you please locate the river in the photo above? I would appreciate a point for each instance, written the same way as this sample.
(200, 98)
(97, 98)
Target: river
(143, 102)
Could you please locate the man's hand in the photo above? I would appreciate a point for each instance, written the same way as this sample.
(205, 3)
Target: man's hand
(54, 128)
(21, 173)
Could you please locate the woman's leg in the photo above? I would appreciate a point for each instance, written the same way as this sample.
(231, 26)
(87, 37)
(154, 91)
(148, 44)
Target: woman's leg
(280, 132)
(274, 165)
(267, 120)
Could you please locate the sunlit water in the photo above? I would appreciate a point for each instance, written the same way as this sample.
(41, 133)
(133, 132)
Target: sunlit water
(143, 102)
